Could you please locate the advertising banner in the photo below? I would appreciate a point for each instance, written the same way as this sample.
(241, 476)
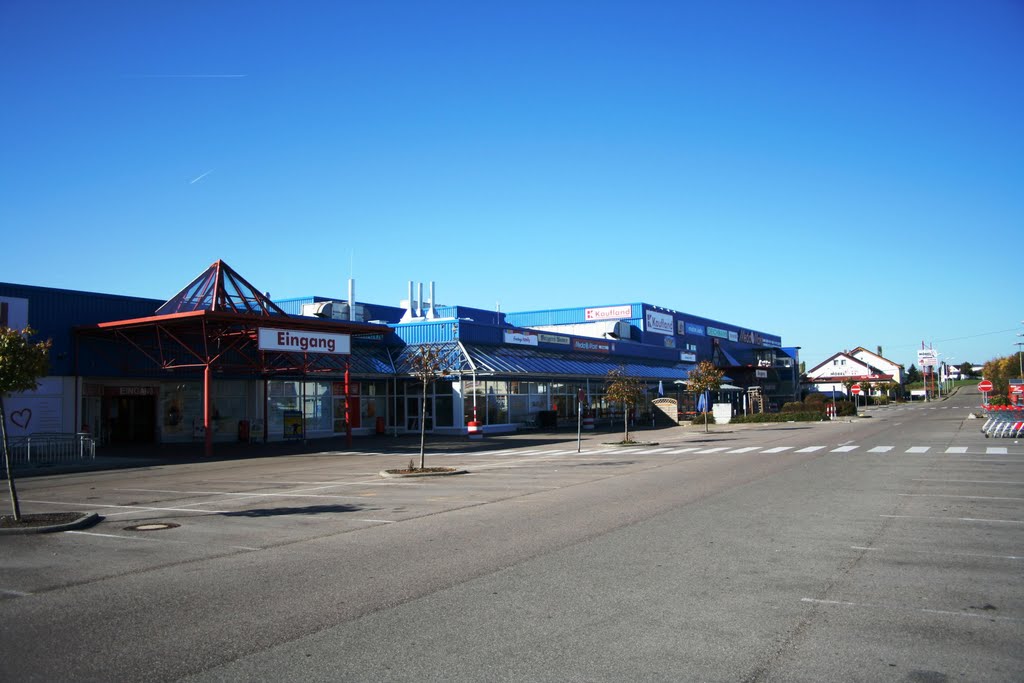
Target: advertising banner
(522, 338)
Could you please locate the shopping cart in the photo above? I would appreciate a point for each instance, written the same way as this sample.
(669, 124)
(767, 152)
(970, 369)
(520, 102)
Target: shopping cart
(1003, 421)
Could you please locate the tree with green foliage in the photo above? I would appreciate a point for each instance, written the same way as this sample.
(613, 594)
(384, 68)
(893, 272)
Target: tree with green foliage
(1000, 371)
(913, 375)
(966, 370)
(704, 377)
(621, 388)
(428, 363)
(22, 363)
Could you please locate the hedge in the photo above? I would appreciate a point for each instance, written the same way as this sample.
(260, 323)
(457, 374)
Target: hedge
(780, 417)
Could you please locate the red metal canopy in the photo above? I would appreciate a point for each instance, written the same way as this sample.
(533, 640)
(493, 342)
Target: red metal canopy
(214, 323)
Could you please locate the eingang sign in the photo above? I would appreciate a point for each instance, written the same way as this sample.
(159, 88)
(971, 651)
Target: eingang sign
(302, 341)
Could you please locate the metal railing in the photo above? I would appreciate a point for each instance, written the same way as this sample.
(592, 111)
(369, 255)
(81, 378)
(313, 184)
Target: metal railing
(51, 449)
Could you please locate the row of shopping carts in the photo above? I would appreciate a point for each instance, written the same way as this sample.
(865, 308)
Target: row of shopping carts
(1003, 421)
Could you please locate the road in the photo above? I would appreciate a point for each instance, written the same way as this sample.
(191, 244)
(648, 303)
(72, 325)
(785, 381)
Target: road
(883, 548)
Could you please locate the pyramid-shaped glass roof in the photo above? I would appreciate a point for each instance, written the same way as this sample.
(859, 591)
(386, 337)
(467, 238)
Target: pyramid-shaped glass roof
(220, 289)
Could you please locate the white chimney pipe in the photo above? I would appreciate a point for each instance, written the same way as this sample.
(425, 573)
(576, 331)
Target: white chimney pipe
(430, 312)
(408, 305)
(351, 299)
(419, 302)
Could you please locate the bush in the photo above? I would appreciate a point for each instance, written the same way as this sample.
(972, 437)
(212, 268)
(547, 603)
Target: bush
(698, 420)
(794, 407)
(780, 417)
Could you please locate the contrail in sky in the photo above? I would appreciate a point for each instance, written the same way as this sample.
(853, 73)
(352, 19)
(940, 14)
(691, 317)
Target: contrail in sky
(200, 177)
(185, 76)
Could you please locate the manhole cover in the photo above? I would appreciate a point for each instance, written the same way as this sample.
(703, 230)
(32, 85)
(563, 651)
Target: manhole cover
(152, 526)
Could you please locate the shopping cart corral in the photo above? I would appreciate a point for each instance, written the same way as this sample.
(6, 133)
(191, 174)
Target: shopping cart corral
(1005, 421)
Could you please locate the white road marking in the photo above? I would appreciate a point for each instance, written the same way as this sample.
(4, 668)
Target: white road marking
(778, 449)
(677, 451)
(810, 449)
(957, 449)
(880, 449)
(955, 519)
(243, 495)
(974, 481)
(933, 552)
(950, 495)
(995, 450)
(17, 594)
(918, 449)
(713, 450)
(131, 507)
(745, 450)
(949, 613)
(843, 449)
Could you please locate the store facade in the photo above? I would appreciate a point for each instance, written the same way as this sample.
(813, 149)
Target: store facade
(219, 361)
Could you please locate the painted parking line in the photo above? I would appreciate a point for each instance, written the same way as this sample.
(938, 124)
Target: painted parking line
(889, 608)
(995, 450)
(844, 449)
(131, 508)
(778, 449)
(880, 449)
(957, 449)
(955, 519)
(918, 449)
(810, 449)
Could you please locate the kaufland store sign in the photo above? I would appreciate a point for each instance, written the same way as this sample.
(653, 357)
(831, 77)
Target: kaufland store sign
(662, 323)
(609, 313)
(302, 341)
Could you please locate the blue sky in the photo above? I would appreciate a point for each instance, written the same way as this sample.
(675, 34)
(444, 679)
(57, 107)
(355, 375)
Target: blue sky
(837, 173)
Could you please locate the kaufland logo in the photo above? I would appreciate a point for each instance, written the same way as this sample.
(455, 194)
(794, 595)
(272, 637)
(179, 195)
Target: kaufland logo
(609, 313)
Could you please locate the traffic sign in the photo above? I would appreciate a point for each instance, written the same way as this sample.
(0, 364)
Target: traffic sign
(985, 386)
(855, 389)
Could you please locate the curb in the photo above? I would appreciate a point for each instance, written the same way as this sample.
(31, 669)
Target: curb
(399, 475)
(87, 519)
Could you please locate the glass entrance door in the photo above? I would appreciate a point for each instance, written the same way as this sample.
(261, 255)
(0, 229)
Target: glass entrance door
(413, 413)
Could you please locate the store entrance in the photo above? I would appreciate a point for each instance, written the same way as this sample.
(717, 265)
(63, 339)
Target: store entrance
(413, 413)
(130, 419)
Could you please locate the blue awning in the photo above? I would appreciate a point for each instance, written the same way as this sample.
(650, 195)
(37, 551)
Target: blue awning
(505, 360)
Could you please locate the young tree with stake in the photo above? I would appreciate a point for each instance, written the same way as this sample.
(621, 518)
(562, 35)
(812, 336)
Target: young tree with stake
(22, 363)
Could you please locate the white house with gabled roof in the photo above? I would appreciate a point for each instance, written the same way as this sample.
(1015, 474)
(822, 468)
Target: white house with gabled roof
(859, 365)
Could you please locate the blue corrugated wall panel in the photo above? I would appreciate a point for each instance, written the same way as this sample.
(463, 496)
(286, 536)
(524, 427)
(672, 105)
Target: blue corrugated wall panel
(54, 312)
(562, 316)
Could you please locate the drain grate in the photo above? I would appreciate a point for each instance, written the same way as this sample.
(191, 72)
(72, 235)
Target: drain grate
(152, 526)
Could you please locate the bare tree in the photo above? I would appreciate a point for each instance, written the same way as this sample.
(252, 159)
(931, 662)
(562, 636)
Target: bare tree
(427, 364)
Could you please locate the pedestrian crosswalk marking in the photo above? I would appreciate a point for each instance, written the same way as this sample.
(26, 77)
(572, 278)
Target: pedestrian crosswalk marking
(843, 449)
(918, 449)
(996, 450)
(713, 450)
(778, 449)
(880, 449)
(745, 450)
(810, 449)
(957, 449)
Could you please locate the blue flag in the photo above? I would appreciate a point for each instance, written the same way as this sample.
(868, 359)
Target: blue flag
(702, 403)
